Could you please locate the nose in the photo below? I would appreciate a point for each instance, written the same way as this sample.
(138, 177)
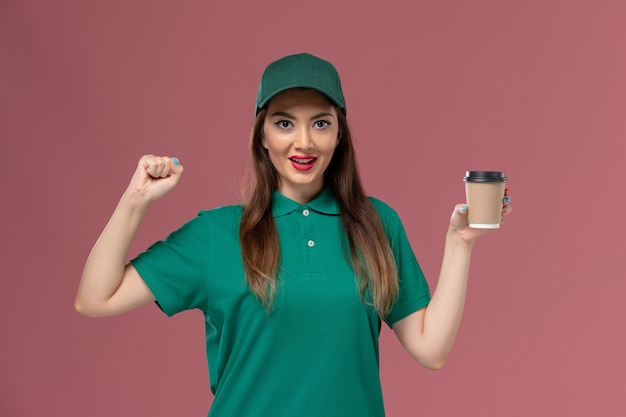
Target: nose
(303, 139)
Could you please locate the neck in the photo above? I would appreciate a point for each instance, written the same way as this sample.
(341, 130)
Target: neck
(303, 194)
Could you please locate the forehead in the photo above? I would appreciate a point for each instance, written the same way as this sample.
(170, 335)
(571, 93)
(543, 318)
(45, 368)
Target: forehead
(299, 97)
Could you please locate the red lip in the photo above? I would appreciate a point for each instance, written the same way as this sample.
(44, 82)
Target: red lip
(302, 163)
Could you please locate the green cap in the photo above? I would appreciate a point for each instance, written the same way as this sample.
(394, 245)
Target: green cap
(301, 70)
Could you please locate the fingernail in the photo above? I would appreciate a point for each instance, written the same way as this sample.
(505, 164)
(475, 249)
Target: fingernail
(507, 199)
(175, 161)
(463, 208)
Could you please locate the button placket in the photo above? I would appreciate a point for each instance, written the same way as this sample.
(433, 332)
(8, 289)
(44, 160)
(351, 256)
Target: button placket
(306, 212)
(312, 226)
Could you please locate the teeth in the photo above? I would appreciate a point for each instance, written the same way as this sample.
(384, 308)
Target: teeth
(302, 161)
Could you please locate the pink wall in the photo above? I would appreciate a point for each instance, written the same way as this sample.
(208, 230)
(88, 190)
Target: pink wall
(535, 88)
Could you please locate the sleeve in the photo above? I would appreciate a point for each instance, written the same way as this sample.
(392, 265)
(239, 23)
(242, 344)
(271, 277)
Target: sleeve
(414, 292)
(175, 269)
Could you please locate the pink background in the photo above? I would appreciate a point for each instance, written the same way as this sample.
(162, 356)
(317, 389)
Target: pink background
(534, 88)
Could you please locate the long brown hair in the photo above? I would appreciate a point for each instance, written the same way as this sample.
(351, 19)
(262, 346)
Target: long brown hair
(369, 251)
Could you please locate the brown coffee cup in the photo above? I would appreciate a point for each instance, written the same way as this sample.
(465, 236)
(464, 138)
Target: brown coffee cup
(484, 191)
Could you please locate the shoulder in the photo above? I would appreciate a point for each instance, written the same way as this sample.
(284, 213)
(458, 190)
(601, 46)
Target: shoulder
(389, 219)
(208, 222)
(385, 211)
(222, 213)
(223, 217)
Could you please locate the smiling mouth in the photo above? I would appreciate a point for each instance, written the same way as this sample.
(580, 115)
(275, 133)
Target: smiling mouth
(303, 164)
(303, 161)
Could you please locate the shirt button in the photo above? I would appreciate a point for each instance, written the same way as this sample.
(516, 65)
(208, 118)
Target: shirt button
(311, 243)
(305, 212)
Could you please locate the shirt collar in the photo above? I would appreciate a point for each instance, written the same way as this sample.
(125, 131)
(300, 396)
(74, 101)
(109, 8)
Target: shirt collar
(325, 202)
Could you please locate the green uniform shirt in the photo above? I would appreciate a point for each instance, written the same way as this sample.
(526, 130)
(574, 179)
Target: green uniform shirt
(316, 352)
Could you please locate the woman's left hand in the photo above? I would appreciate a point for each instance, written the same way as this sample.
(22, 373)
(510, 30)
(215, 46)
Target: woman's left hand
(460, 225)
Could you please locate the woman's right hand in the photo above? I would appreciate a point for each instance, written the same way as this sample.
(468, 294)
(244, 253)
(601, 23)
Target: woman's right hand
(154, 177)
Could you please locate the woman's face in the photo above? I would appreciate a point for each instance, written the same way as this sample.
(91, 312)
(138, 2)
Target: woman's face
(300, 133)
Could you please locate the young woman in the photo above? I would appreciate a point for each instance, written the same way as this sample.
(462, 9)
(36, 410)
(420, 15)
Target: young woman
(294, 282)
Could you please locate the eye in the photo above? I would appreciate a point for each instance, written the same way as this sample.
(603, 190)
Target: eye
(321, 124)
(283, 124)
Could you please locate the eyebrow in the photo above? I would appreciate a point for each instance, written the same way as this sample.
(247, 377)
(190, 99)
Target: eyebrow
(292, 117)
